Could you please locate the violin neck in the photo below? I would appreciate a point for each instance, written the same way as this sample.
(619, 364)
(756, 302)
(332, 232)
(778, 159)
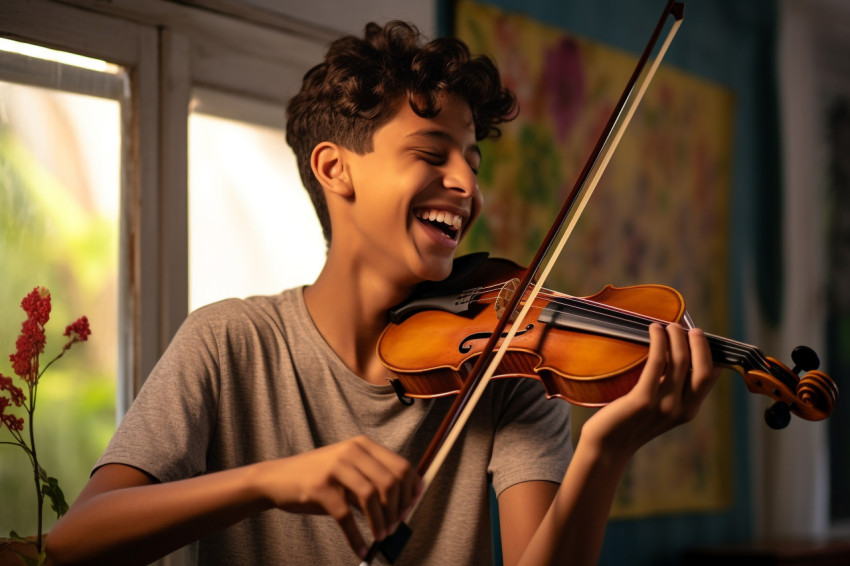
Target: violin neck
(587, 316)
(732, 354)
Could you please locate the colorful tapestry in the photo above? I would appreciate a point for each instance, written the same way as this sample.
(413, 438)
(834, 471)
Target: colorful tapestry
(659, 215)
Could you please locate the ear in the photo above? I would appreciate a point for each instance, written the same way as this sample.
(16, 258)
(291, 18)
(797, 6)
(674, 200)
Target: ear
(327, 162)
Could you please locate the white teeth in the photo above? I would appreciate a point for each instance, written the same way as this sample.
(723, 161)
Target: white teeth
(434, 215)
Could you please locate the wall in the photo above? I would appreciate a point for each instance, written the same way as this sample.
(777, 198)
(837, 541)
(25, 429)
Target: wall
(350, 17)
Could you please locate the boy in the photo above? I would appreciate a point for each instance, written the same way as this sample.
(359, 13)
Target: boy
(268, 431)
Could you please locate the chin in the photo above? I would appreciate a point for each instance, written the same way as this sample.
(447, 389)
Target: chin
(437, 270)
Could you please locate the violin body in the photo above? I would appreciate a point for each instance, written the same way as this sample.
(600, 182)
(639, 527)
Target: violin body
(583, 369)
(588, 351)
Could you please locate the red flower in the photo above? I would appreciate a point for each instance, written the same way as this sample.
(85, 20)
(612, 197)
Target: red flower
(78, 331)
(15, 424)
(16, 393)
(25, 361)
(32, 339)
(37, 305)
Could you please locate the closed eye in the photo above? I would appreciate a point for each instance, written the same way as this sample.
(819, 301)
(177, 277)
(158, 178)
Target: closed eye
(438, 158)
(432, 157)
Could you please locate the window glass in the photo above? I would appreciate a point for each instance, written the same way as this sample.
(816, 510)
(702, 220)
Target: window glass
(60, 178)
(252, 228)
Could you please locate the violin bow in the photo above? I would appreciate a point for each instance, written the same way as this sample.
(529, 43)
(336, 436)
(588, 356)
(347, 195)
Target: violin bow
(486, 364)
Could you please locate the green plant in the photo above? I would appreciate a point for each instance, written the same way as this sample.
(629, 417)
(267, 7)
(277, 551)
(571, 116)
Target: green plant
(25, 364)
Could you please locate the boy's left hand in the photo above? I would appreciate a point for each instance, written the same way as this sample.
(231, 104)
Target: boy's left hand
(678, 375)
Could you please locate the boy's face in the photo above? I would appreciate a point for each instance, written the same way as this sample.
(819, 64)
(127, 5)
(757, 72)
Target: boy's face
(417, 191)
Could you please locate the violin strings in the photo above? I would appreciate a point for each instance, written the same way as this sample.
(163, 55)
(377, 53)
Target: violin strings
(592, 312)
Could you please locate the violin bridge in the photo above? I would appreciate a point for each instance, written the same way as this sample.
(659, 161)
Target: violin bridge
(506, 293)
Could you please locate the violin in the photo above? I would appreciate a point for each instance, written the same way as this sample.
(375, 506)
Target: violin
(585, 350)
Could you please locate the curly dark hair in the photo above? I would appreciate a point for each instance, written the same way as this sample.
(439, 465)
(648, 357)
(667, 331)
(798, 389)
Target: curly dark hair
(353, 92)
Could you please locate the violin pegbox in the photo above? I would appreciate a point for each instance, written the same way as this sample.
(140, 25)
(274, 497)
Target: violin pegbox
(811, 396)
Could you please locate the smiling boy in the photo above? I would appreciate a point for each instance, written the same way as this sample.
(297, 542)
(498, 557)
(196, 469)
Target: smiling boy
(268, 430)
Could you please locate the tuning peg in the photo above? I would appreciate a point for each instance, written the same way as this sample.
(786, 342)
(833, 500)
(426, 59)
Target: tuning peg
(805, 359)
(778, 415)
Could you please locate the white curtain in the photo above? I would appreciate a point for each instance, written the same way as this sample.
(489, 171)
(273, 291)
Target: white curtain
(791, 471)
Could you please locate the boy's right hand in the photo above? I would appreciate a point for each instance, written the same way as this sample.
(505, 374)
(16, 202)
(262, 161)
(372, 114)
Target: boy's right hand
(330, 480)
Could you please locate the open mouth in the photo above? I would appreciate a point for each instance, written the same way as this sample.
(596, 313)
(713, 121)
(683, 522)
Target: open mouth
(447, 222)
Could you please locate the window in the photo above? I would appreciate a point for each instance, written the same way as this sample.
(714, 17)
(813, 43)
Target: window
(60, 187)
(138, 223)
(252, 228)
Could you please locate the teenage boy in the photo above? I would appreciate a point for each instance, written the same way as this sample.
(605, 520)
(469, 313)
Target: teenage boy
(268, 430)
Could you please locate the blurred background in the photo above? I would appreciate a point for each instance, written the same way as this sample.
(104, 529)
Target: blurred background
(144, 173)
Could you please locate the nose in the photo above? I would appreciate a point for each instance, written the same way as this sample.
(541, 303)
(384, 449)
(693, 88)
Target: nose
(460, 177)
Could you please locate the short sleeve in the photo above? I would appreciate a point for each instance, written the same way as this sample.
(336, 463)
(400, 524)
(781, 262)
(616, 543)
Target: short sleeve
(168, 427)
(533, 440)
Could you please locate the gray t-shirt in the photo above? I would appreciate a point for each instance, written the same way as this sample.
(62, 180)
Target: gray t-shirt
(250, 380)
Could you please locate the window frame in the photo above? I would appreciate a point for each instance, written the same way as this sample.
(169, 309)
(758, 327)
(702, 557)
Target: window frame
(168, 49)
(134, 47)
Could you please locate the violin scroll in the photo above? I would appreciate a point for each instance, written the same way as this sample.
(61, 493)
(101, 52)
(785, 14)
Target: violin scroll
(811, 397)
(817, 391)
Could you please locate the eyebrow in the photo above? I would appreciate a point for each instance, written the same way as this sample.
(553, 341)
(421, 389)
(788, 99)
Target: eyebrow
(440, 134)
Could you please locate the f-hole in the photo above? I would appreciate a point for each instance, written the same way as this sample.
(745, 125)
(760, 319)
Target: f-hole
(465, 347)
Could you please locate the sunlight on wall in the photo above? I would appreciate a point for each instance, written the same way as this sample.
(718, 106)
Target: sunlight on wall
(252, 228)
(72, 59)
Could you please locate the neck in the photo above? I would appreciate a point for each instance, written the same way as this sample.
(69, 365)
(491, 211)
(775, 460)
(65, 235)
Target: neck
(349, 306)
